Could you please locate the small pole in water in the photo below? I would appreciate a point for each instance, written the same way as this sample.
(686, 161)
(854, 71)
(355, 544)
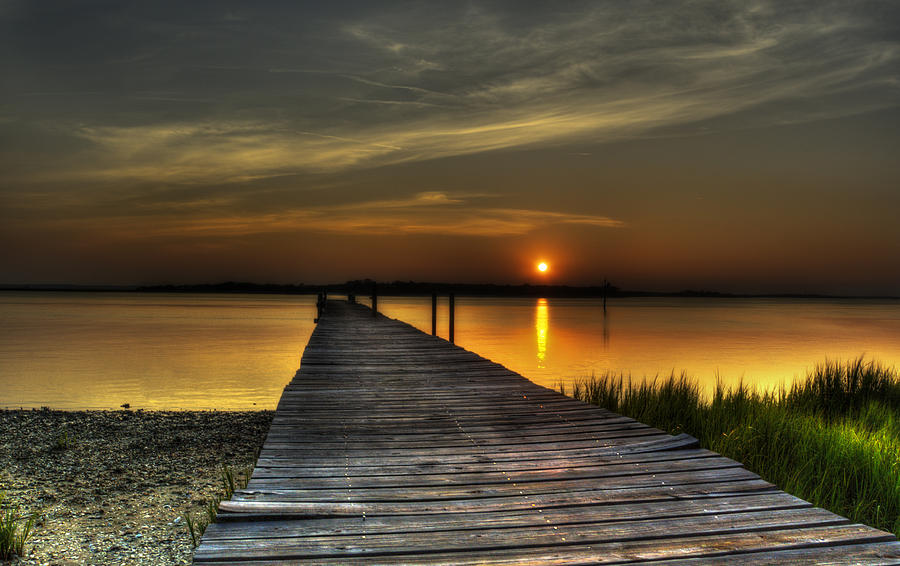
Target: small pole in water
(374, 298)
(434, 314)
(605, 290)
(452, 316)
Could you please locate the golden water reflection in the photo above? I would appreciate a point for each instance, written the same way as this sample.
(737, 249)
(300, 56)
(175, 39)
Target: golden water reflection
(764, 342)
(541, 325)
(73, 350)
(152, 351)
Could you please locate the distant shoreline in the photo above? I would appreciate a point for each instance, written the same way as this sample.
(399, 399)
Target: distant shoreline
(410, 288)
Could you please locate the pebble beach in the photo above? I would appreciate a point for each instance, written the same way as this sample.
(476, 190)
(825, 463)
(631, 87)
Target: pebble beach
(114, 487)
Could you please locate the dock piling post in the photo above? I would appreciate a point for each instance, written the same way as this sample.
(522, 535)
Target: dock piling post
(452, 316)
(434, 314)
(320, 306)
(374, 299)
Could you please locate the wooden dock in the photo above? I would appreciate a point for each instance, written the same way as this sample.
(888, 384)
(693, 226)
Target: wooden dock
(392, 446)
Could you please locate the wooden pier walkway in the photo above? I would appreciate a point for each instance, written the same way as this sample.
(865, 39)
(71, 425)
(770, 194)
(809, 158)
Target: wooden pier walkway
(392, 446)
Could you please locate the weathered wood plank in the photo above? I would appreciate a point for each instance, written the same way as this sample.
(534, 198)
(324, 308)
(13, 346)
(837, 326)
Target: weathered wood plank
(498, 475)
(882, 553)
(506, 517)
(342, 508)
(463, 491)
(595, 549)
(636, 446)
(301, 468)
(498, 539)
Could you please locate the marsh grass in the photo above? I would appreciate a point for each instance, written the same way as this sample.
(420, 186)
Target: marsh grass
(64, 441)
(837, 389)
(15, 530)
(231, 481)
(192, 530)
(833, 439)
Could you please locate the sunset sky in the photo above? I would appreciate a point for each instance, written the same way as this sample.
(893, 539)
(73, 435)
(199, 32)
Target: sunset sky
(732, 145)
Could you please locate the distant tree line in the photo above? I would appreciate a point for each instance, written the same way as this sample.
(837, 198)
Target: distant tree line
(363, 287)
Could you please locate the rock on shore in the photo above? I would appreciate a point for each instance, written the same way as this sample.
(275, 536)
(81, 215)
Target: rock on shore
(113, 487)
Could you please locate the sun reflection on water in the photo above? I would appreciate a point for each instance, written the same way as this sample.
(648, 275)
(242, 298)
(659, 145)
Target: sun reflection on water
(541, 323)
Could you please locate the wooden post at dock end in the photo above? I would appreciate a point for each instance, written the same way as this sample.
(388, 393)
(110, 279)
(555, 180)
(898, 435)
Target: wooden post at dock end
(374, 299)
(320, 306)
(434, 314)
(452, 316)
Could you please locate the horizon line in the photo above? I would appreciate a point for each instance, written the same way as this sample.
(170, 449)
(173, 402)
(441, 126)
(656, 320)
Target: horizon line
(415, 288)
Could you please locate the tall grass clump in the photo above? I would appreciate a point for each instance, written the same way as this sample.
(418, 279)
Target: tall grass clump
(832, 439)
(837, 389)
(15, 530)
(231, 482)
(64, 441)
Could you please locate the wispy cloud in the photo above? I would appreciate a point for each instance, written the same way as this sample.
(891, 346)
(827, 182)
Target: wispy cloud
(390, 86)
(388, 102)
(178, 120)
(380, 85)
(430, 212)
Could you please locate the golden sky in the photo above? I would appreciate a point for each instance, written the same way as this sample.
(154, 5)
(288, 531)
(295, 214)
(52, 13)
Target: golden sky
(740, 146)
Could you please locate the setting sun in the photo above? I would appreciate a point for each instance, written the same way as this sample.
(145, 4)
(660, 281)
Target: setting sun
(542, 267)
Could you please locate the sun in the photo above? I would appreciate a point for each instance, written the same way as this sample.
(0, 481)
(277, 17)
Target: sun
(543, 267)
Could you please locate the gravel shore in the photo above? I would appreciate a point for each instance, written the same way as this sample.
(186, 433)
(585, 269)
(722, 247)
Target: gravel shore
(113, 487)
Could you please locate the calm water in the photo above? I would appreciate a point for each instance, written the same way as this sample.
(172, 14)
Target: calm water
(765, 342)
(159, 351)
(72, 350)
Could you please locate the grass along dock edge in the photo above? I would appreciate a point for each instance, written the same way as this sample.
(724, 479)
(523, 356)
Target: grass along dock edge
(832, 438)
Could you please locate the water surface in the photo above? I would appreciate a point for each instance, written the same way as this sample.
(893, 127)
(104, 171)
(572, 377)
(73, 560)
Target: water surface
(157, 351)
(191, 351)
(765, 342)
